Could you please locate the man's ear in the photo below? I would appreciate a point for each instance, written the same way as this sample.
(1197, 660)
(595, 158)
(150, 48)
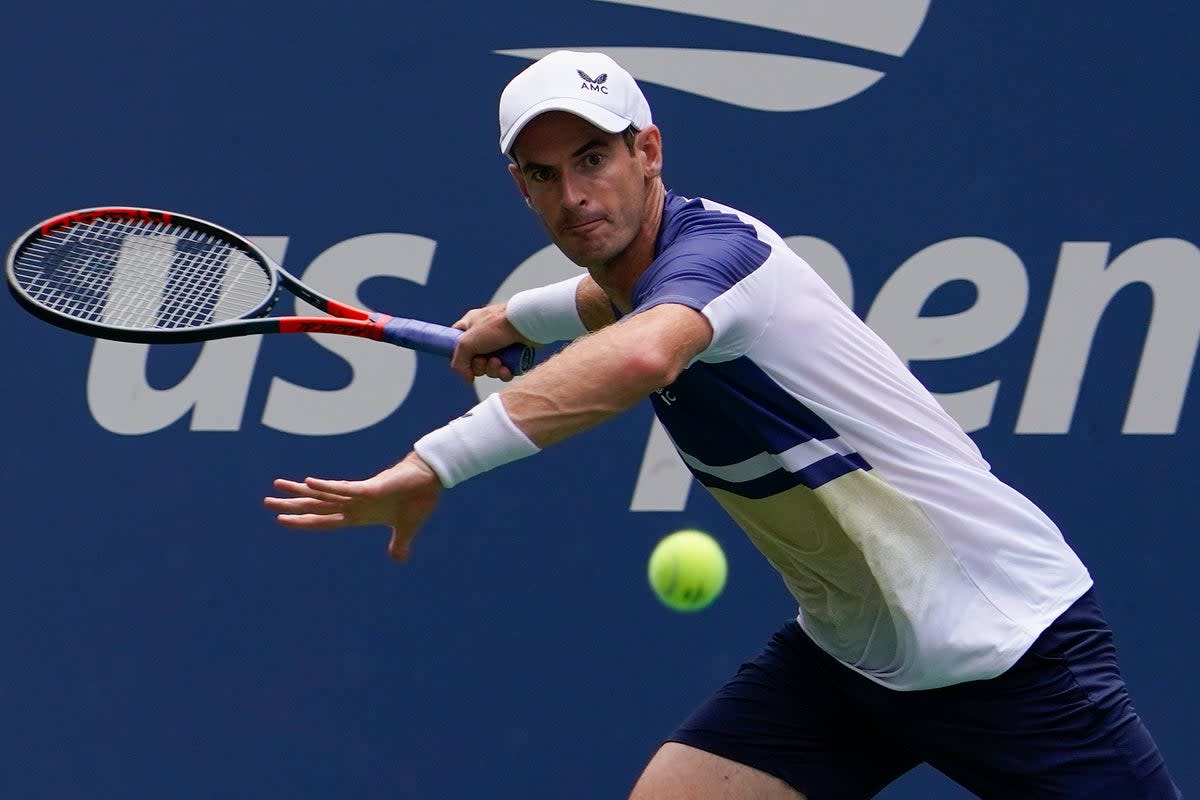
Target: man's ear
(519, 179)
(648, 143)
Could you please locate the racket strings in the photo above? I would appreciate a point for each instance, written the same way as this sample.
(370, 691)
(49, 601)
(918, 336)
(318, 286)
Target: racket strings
(136, 273)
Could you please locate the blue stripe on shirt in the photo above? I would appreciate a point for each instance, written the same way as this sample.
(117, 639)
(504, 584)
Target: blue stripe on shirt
(812, 477)
(723, 414)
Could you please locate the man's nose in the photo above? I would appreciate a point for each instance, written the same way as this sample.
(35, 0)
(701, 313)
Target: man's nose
(574, 190)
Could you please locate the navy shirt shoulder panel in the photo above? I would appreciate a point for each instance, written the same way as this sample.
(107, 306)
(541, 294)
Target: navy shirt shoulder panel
(700, 253)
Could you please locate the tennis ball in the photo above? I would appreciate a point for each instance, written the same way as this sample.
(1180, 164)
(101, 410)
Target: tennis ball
(687, 570)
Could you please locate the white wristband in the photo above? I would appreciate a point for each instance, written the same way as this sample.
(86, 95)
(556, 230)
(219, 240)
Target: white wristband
(481, 439)
(548, 313)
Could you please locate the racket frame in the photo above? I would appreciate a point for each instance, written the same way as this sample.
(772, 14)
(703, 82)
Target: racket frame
(344, 319)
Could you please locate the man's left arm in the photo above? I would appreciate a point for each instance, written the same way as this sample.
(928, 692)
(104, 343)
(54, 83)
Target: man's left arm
(603, 374)
(591, 380)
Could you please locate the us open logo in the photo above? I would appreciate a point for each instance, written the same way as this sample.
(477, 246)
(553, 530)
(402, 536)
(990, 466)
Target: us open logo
(768, 81)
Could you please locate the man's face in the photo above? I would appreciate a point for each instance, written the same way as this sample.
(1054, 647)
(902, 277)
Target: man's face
(585, 185)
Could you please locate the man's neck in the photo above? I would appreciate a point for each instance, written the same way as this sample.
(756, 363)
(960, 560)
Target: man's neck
(618, 277)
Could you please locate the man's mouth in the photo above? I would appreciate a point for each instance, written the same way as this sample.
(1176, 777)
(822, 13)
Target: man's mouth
(583, 226)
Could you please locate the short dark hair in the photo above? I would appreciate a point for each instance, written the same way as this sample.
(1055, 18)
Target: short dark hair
(630, 137)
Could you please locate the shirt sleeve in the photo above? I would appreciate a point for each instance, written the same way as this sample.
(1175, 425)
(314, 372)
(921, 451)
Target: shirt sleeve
(712, 274)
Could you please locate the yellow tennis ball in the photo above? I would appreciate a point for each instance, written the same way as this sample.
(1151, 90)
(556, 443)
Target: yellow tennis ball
(687, 570)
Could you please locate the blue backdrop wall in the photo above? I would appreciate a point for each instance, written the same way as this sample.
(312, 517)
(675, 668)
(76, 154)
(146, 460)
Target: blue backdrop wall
(1006, 191)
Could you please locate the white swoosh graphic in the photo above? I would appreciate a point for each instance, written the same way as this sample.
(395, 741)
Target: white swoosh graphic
(794, 459)
(885, 26)
(761, 81)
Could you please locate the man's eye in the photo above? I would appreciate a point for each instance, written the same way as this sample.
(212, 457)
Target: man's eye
(540, 175)
(593, 159)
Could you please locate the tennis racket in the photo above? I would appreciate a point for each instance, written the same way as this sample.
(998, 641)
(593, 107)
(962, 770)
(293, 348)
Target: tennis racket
(141, 275)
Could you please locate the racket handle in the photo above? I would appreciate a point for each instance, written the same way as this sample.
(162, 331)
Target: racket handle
(440, 340)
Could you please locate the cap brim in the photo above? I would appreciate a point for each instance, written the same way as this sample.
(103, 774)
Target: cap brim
(602, 118)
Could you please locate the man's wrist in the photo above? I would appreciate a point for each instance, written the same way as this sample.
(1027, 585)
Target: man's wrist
(482, 439)
(548, 313)
(413, 459)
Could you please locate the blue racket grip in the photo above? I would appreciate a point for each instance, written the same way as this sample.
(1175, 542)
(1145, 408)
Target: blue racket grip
(440, 340)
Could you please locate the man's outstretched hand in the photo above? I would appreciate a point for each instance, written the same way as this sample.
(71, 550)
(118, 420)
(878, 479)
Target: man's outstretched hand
(401, 497)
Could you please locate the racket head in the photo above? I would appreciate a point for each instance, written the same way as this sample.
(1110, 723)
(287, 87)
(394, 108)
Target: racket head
(140, 275)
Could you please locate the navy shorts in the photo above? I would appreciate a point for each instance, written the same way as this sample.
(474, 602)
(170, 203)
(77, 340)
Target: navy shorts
(1058, 724)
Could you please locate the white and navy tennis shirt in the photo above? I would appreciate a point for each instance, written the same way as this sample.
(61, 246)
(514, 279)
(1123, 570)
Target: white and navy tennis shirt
(911, 562)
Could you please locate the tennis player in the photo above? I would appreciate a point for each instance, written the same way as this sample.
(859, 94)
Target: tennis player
(942, 617)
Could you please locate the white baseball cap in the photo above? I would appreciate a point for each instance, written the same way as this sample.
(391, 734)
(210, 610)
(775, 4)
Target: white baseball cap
(588, 85)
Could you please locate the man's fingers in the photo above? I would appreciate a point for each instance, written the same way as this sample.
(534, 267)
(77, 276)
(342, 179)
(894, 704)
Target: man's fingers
(312, 522)
(304, 505)
(460, 362)
(496, 369)
(306, 490)
(398, 548)
(334, 490)
(491, 366)
(467, 320)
